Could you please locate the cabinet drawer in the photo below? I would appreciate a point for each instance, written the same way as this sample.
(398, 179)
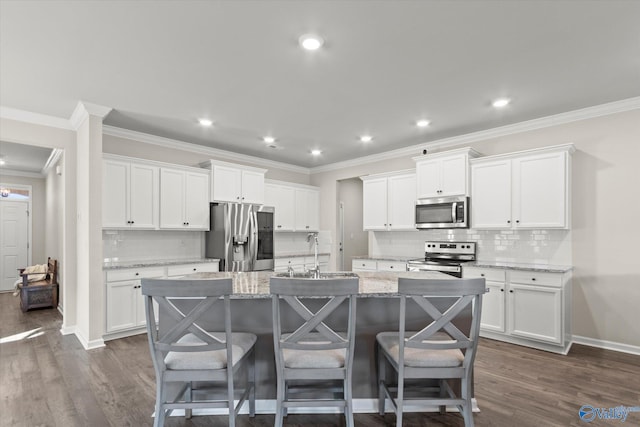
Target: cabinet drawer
(181, 270)
(134, 273)
(392, 266)
(364, 264)
(494, 275)
(285, 262)
(536, 278)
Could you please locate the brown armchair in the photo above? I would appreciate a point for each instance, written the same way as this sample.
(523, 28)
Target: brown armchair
(41, 293)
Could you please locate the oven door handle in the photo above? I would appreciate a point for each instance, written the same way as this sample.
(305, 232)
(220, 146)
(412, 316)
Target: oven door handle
(454, 210)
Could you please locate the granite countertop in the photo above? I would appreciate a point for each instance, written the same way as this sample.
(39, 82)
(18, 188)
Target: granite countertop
(116, 265)
(384, 258)
(255, 284)
(298, 254)
(545, 268)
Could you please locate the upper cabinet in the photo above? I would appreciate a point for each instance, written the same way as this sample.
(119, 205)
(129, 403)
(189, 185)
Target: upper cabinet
(236, 183)
(388, 201)
(130, 194)
(297, 207)
(528, 189)
(184, 199)
(443, 174)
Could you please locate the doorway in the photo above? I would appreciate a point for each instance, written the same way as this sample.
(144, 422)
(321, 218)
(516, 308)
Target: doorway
(14, 241)
(352, 240)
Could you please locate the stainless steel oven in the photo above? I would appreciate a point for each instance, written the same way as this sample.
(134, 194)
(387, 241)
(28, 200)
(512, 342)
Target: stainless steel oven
(446, 257)
(442, 212)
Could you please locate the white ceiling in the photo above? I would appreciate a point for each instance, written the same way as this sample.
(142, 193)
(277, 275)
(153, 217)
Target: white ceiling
(23, 158)
(163, 65)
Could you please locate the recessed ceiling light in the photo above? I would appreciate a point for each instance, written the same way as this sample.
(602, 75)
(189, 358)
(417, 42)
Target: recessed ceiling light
(2, 162)
(501, 102)
(316, 152)
(366, 138)
(423, 123)
(205, 122)
(311, 41)
(269, 139)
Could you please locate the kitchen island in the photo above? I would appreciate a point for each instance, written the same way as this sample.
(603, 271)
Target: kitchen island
(378, 308)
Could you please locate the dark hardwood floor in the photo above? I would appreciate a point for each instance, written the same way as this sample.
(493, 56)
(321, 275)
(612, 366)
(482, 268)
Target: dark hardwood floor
(47, 379)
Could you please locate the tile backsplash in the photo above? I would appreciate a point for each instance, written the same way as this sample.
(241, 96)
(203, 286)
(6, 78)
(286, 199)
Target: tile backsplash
(296, 242)
(551, 247)
(138, 245)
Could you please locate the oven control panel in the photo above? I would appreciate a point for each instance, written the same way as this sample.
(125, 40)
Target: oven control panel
(462, 248)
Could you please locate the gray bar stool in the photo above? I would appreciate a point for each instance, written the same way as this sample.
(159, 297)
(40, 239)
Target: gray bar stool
(312, 351)
(439, 350)
(187, 353)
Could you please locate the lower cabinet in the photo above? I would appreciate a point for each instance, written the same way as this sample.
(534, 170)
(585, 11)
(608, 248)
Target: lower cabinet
(125, 312)
(377, 265)
(526, 307)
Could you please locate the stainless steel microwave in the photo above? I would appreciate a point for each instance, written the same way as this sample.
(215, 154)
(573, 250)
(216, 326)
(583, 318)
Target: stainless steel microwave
(442, 212)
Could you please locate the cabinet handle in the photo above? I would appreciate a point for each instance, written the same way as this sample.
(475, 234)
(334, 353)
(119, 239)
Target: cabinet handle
(501, 290)
(390, 224)
(508, 221)
(307, 226)
(517, 221)
(511, 291)
(481, 274)
(279, 226)
(238, 198)
(137, 274)
(243, 198)
(391, 266)
(533, 279)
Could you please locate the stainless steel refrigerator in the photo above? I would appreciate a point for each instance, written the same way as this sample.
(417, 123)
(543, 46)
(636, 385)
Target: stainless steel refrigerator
(241, 236)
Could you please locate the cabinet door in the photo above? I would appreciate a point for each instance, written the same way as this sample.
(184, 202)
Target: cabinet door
(540, 191)
(493, 314)
(282, 198)
(122, 305)
(172, 185)
(313, 210)
(428, 174)
(252, 187)
(374, 204)
(491, 195)
(227, 184)
(401, 203)
(454, 176)
(302, 216)
(115, 194)
(535, 312)
(196, 201)
(144, 196)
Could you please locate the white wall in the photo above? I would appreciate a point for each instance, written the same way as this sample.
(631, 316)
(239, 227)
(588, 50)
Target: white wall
(55, 197)
(356, 241)
(605, 211)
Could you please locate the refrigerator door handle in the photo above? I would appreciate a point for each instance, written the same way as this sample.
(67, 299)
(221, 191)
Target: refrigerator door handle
(253, 239)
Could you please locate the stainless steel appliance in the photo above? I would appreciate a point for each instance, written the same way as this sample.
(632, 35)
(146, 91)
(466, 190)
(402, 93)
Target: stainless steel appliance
(241, 236)
(442, 212)
(446, 257)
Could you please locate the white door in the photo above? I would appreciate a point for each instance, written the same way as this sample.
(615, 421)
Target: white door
(144, 187)
(535, 312)
(492, 318)
(14, 239)
(252, 187)
(172, 187)
(313, 210)
(491, 195)
(429, 174)
(196, 201)
(454, 176)
(402, 202)
(115, 194)
(227, 183)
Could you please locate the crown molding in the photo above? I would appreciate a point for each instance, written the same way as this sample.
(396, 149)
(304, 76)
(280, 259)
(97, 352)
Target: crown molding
(24, 174)
(199, 149)
(34, 118)
(529, 125)
(84, 110)
(55, 155)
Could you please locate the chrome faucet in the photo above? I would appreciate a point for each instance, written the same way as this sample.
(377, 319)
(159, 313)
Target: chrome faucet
(315, 271)
(290, 270)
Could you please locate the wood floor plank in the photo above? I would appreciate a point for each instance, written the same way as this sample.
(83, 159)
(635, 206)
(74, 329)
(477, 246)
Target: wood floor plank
(50, 380)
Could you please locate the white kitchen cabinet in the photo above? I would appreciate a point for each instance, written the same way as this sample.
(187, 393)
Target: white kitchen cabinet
(297, 206)
(529, 308)
(236, 183)
(282, 198)
(368, 265)
(388, 201)
(125, 303)
(130, 195)
(522, 190)
(184, 199)
(307, 209)
(178, 271)
(443, 174)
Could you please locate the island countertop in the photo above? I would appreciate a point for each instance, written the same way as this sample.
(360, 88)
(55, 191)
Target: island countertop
(255, 284)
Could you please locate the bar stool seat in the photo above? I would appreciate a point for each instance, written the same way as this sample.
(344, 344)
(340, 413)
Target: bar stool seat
(421, 358)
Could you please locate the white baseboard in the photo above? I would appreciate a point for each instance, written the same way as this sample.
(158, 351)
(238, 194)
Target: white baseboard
(89, 345)
(607, 345)
(67, 330)
(360, 406)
